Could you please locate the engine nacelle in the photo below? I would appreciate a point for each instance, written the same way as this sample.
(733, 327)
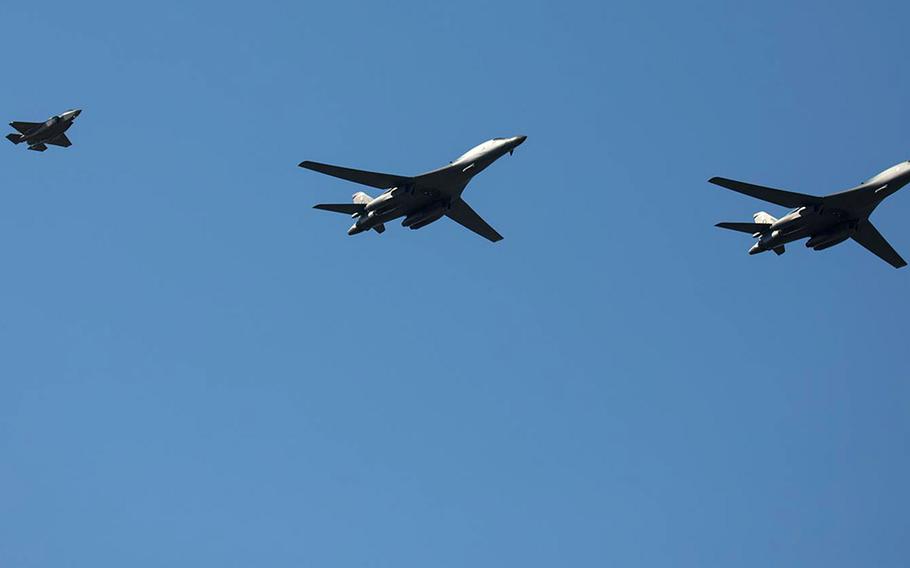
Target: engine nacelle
(829, 239)
(382, 203)
(787, 222)
(425, 216)
(766, 240)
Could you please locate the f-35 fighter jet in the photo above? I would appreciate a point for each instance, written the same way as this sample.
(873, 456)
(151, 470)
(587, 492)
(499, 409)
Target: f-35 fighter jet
(827, 221)
(39, 134)
(421, 199)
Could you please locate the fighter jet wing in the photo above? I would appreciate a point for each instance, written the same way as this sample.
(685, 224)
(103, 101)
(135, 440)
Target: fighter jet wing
(873, 241)
(25, 127)
(61, 140)
(777, 196)
(461, 213)
(372, 179)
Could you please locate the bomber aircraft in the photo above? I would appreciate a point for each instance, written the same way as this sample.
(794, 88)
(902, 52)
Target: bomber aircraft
(39, 134)
(827, 220)
(421, 199)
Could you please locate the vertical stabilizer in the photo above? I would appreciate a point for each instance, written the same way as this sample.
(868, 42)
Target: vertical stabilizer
(764, 218)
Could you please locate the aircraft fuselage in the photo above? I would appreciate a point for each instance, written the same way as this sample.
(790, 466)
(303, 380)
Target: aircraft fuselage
(422, 203)
(50, 129)
(829, 225)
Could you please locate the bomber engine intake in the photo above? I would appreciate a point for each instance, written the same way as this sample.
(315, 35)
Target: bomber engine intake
(830, 238)
(425, 216)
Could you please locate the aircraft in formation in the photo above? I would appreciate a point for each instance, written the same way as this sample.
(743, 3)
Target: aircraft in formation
(420, 199)
(423, 199)
(39, 134)
(826, 221)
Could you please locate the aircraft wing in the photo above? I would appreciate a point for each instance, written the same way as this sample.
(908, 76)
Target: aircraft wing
(372, 179)
(61, 140)
(461, 213)
(873, 241)
(25, 127)
(776, 196)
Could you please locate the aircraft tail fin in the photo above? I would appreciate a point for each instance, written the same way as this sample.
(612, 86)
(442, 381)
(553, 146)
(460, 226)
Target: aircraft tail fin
(764, 217)
(779, 250)
(14, 138)
(38, 147)
(356, 207)
(380, 228)
(361, 197)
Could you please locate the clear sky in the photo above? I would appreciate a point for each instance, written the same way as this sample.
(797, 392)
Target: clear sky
(198, 369)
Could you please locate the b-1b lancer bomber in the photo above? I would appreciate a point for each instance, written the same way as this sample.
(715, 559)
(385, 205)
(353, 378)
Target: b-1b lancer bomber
(826, 221)
(39, 134)
(421, 199)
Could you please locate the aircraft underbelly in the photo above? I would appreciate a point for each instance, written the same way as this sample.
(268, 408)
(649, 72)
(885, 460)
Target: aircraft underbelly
(807, 227)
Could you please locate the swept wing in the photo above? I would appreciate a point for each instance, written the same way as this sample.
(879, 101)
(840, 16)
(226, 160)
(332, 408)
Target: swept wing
(61, 140)
(778, 196)
(461, 213)
(873, 241)
(372, 179)
(25, 127)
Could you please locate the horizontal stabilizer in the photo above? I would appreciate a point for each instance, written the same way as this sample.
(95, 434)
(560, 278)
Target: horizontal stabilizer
(779, 250)
(346, 208)
(777, 196)
(372, 179)
(38, 147)
(380, 228)
(873, 241)
(14, 138)
(750, 228)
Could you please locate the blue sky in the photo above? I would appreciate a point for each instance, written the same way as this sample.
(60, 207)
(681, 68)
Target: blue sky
(197, 369)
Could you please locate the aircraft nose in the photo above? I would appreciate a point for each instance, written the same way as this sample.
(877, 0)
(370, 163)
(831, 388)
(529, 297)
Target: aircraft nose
(77, 112)
(519, 139)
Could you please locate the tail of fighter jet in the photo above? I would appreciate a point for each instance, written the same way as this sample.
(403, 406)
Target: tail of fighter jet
(15, 138)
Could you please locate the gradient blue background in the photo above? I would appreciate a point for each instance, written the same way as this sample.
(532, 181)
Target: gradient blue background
(197, 369)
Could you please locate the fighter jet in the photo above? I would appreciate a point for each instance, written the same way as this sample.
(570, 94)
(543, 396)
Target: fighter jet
(39, 134)
(421, 199)
(826, 221)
